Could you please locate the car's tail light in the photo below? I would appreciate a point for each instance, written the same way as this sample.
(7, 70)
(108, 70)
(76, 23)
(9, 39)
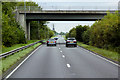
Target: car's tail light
(68, 41)
(74, 41)
(47, 41)
(55, 41)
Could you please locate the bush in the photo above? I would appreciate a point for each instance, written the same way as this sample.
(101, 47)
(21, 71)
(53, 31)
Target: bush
(85, 37)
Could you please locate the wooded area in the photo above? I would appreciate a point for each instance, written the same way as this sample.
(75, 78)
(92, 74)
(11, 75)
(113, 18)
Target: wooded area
(12, 32)
(104, 33)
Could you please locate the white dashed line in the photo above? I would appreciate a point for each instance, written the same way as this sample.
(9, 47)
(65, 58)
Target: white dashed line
(22, 62)
(68, 65)
(59, 48)
(61, 51)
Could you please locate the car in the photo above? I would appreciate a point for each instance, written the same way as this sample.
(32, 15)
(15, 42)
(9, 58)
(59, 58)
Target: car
(51, 42)
(56, 38)
(71, 41)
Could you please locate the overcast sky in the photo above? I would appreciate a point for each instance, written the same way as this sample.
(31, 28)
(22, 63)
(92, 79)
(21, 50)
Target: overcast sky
(65, 26)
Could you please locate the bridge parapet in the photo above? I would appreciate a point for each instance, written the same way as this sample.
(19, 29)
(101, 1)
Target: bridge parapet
(60, 8)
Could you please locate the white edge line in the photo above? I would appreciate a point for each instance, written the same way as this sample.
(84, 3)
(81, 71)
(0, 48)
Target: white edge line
(22, 63)
(107, 60)
(68, 65)
(103, 58)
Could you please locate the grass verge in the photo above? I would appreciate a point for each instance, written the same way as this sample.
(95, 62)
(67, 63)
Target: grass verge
(106, 53)
(64, 37)
(6, 49)
(12, 59)
(54, 36)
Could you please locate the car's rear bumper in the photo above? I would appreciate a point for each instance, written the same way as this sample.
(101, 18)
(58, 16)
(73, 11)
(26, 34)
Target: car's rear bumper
(51, 43)
(71, 43)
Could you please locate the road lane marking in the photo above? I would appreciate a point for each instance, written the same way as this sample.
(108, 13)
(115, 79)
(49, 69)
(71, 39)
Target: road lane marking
(106, 59)
(63, 56)
(68, 65)
(59, 48)
(22, 62)
(102, 58)
(61, 51)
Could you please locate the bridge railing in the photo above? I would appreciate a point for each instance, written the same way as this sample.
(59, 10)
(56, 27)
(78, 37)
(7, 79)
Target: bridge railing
(80, 8)
(28, 8)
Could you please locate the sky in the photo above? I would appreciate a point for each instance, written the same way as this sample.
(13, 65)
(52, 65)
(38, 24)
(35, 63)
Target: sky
(65, 26)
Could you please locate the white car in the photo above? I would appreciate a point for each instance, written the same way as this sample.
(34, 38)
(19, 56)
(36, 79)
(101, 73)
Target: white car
(71, 41)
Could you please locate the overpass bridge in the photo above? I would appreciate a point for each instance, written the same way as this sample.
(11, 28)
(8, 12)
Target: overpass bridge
(24, 16)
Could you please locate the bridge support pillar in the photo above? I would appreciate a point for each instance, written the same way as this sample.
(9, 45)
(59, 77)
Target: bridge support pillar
(22, 22)
(28, 30)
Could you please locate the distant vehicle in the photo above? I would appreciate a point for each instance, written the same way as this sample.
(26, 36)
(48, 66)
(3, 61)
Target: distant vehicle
(71, 41)
(56, 38)
(51, 42)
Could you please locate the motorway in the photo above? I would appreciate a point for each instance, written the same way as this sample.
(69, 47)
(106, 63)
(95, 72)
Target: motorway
(63, 62)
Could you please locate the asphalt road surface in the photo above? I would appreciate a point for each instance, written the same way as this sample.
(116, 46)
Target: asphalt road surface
(62, 62)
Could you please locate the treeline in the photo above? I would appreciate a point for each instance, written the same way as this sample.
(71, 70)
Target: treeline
(12, 32)
(39, 30)
(104, 33)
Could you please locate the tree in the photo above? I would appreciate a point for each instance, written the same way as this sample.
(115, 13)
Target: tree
(12, 32)
(105, 33)
(62, 33)
(72, 32)
(86, 36)
(79, 31)
(51, 33)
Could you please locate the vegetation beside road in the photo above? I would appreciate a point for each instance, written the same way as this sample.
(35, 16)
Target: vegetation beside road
(106, 53)
(13, 33)
(40, 30)
(104, 33)
(12, 59)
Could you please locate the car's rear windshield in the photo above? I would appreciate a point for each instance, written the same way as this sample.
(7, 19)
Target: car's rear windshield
(71, 39)
(51, 39)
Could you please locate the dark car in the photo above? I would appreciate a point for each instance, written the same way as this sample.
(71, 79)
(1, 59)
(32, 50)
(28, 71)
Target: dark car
(71, 41)
(51, 42)
(56, 38)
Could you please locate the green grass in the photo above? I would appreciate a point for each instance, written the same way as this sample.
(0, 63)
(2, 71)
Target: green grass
(106, 53)
(54, 36)
(6, 49)
(9, 61)
(64, 37)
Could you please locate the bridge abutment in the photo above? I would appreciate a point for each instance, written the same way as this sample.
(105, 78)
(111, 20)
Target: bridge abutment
(21, 18)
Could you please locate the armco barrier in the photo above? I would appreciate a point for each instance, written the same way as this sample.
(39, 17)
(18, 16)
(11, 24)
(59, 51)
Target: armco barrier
(17, 50)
